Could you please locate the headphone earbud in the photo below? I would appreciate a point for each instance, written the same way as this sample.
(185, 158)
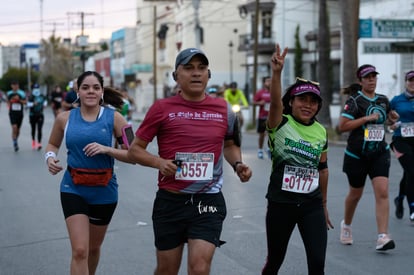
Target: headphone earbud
(209, 74)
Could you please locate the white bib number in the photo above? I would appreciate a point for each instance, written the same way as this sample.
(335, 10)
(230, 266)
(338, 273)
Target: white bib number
(300, 180)
(374, 132)
(407, 129)
(267, 106)
(195, 166)
(16, 107)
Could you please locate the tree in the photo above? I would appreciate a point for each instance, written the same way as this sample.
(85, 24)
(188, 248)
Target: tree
(56, 63)
(19, 74)
(350, 29)
(104, 46)
(298, 54)
(325, 65)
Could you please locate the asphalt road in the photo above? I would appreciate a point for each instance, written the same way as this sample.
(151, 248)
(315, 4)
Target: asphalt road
(33, 236)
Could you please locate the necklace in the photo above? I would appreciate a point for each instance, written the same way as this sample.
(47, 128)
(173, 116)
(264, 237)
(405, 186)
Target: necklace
(91, 116)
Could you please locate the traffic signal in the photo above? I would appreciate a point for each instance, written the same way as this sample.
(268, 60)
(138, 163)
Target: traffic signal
(162, 33)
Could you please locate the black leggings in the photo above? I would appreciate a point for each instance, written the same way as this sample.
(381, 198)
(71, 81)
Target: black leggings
(401, 191)
(36, 121)
(281, 220)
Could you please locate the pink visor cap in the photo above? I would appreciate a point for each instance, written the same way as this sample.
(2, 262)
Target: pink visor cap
(409, 75)
(366, 71)
(305, 88)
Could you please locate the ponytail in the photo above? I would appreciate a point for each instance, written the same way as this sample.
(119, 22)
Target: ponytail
(113, 97)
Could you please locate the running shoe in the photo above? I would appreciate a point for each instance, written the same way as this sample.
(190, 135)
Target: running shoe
(34, 145)
(269, 154)
(412, 218)
(16, 147)
(385, 243)
(260, 154)
(399, 209)
(346, 234)
(38, 146)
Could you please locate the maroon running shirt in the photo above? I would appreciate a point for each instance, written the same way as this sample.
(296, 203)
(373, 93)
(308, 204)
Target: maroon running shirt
(193, 132)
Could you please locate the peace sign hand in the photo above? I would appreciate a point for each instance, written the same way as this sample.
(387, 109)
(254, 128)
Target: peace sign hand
(278, 59)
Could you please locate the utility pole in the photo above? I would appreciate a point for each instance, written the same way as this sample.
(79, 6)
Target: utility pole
(197, 30)
(256, 42)
(29, 72)
(83, 40)
(154, 56)
(41, 20)
(54, 24)
(231, 60)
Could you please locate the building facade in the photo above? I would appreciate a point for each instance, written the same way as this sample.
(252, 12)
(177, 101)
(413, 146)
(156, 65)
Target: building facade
(9, 57)
(141, 57)
(389, 44)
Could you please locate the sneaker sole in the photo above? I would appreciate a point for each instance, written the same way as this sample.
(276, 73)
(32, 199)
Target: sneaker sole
(387, 246)
(347, 242)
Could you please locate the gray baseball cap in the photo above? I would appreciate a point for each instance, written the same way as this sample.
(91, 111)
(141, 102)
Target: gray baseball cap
(186, 55)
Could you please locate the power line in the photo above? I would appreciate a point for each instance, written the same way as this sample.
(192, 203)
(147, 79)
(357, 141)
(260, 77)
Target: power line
(19, 27)
(54, 24)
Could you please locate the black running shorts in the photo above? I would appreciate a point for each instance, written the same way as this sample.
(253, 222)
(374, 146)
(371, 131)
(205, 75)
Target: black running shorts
(99, 214)
(16, 118)
(358, 169)
(261, 125)
(179, 217)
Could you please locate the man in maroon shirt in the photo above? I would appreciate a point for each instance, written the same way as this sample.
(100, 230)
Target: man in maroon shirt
(262, 99)
(195, 133)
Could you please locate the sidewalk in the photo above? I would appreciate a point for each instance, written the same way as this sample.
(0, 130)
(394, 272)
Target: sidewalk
(138, 116)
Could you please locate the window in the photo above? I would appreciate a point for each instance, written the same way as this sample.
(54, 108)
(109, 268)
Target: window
(266, 24)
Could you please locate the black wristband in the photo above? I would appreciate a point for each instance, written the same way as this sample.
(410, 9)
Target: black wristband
(120, 140)
(235, 165)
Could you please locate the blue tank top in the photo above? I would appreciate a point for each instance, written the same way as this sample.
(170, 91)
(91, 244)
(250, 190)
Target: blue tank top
(404, 106)
(78, 134)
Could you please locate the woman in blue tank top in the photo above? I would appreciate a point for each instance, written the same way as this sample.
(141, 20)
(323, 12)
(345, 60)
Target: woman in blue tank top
(89, 189)
(403, 145)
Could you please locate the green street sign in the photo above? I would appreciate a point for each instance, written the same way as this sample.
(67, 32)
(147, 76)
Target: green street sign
(142, 68)
(386, 28)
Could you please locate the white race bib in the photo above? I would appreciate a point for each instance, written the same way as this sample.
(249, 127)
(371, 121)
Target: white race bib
(195, 166)
(16, 107)
(300, 180)
(407, 129)
(266, 106)
(374, 132)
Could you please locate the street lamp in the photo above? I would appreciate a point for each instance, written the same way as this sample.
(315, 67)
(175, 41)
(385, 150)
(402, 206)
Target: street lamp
(231, 60)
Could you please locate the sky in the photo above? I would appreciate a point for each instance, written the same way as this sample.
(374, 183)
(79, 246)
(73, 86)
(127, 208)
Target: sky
(27, 21)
